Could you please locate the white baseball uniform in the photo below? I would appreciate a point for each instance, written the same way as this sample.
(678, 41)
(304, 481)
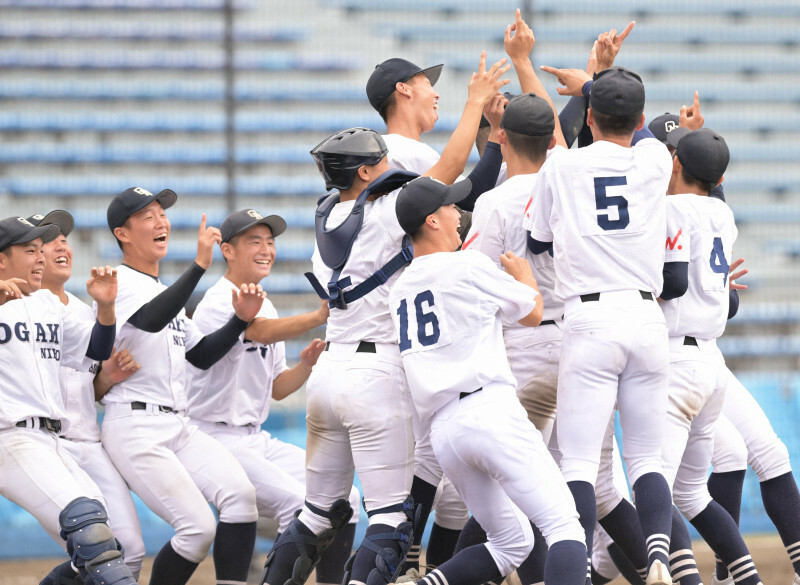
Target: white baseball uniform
(701, 231)
(533, 353)
(231, 400)
(359, 412)
(166, 460)
(748, 437)
(81, 441)
(449, 310)
(416, 156)
(38, 336)
(603, 207)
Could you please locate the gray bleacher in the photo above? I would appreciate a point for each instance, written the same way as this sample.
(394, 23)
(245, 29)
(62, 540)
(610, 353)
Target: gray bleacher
(101, 95)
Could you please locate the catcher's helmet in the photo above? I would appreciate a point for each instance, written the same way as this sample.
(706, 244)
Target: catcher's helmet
(339, 156)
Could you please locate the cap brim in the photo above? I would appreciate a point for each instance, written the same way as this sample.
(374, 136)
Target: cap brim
(60, 218)
(433, 73)
(457, 192)
(674, 136)
(167, 198)
(48, 233)
(275, 223)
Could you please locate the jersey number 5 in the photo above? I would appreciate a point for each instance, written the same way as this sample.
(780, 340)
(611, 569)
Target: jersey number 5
(424, 320)
(604, 201)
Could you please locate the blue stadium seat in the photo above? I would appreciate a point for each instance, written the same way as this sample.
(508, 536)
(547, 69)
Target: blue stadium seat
(635, 7)
(759, 346)
(191, 5)
(147, 29)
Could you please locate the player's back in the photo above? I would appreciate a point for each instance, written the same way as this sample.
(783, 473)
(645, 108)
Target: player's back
(455, 304)
(605, 210)
(701, 231)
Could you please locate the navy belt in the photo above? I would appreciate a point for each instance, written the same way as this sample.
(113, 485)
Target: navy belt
(143, 406)
(646, 295)
(548, 322)
(689, 340)
(465, 394)
(363, 347)
(46, 424)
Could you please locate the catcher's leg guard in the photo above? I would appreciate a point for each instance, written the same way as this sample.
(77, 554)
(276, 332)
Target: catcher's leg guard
(95, 552)
(63, 574)
(292, 565)
(390, 546)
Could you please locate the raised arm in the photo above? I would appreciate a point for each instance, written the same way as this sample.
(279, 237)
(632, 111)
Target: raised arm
(483, 86)
(519, 42)
(267, 331)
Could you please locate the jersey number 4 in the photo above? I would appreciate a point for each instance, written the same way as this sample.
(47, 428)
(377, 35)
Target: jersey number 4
(427, 323)
(604, 201)
(717, 260)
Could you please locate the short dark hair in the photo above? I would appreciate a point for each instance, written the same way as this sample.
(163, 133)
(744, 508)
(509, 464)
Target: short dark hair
(534, 148)
(617, 125)
(383, 111)
(693, 181)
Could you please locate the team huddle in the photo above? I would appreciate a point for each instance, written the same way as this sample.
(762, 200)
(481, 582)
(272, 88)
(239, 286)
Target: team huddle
(481, 334)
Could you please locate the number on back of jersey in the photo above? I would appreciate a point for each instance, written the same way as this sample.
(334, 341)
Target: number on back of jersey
(422, 323)
(716, 278)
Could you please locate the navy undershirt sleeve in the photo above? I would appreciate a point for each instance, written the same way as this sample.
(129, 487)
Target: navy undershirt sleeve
(101, 342)
(163, 308)
(572, 118)
(676, 280)
(484, 176)
(211, 348)
(733, 307)
(537, 247)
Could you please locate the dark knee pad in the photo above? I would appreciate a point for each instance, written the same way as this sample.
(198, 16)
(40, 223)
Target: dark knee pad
(298, 550)
(95, 552)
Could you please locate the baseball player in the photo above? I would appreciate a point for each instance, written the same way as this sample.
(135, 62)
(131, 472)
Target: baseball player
(448, 310)
(80, 439)
(603, 211)
(170, 464)
(38, 335)
(700, 241)
(230, 400)
(358, 412)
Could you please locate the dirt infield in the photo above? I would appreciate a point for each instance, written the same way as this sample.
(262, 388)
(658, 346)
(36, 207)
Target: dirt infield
(768, 553)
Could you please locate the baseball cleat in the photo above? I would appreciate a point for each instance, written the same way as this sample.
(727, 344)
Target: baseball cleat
(658, 574)
(726, 581)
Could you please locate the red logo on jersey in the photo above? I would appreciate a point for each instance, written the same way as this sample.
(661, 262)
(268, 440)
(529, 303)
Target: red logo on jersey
(672, 241)
(469, 241)
(525, 213)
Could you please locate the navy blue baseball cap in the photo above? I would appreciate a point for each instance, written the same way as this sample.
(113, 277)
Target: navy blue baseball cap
(663, 125)
(381, 84)
(703, 153)
(423, 196)
(18, 230)
(617, 91)
(530, 115)
(133, 200)
(242, 220)
(63, 219)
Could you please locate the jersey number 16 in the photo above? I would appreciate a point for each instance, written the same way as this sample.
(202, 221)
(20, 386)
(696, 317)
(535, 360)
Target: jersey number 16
(427, 323)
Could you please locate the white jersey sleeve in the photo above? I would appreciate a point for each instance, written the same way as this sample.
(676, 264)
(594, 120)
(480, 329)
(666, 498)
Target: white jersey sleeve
(409, 155)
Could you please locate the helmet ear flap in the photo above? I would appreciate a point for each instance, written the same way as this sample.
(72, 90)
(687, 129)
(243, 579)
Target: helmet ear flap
(340, 155)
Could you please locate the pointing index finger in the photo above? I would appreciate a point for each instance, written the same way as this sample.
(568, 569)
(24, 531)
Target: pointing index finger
(624, 34)
(482, 63)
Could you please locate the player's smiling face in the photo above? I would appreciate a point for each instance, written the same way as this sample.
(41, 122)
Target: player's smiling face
(58, 258)
(25, 261)
(252, 254)
(146, 233)
(425, 101)
(450, 218)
